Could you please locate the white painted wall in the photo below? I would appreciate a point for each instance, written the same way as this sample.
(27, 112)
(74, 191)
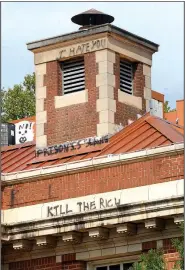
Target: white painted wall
(156, 108)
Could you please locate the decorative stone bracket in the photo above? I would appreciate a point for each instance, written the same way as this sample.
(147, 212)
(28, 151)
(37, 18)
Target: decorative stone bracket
(127, 228)
(46, 241)
(99, 233)
(178, 219)
(22, 245)
(73, 237)
(155, 223)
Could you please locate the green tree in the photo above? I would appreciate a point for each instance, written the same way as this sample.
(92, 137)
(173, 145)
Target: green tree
(19, 102)
(178, 244)
(153, 260)
(167, 108)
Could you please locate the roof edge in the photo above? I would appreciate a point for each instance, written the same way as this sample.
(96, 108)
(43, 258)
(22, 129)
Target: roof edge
(101, 161)
(91, 31)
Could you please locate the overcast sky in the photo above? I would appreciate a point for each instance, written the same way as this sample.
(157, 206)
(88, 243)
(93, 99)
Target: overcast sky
(159, 22)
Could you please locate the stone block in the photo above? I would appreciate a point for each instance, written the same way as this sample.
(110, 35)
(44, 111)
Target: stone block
(106, 117)
(105, 55)
(105, 79)
(105, 104)
(106, 91)
(41, 117)
(106, 67)
(41, 92)
(146, 70)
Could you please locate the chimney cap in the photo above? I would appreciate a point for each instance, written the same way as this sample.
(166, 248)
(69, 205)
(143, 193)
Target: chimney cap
(92, 17)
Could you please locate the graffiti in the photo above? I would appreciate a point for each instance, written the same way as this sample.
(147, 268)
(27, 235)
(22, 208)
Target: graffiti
(82, 206)
(83, 48)
(24, 132)
(71, 146)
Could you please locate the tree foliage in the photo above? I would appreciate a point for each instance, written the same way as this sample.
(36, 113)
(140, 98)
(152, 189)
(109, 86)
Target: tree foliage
(178, 244)
(19, 102)
(154, 260)
(167, 108)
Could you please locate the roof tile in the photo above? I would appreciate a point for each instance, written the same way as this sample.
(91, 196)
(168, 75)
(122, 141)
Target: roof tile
(146, 132)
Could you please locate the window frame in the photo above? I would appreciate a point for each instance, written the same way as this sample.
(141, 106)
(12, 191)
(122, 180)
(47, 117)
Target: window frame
(121, 263)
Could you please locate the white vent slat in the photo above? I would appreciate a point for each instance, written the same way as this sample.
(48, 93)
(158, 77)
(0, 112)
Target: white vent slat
(74, 85)
(125, 85)
(73, 76)
(73, 64)
(75, 89)
(126, 77)
(73, 71)
(76, 72)
(125, 71)
(68, 82)
(126, 67)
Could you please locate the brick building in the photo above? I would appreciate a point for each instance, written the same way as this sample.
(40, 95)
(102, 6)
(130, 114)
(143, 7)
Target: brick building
(177, 115)
(103, 182)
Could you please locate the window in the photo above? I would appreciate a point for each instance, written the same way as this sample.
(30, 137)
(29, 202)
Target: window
(126, 77)
(122, 266)
(73, 76)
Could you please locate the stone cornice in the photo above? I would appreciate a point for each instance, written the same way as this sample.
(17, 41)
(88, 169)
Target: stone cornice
(92, 31)
(89, 164)
(135, 212)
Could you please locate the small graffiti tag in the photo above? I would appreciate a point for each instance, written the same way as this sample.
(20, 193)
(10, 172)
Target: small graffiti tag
(75, 145)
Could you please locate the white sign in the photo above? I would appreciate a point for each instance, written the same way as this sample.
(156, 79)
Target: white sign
(24, 132)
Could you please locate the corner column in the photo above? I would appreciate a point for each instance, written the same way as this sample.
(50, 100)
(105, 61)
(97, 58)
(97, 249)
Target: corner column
(105, 82)
(147, 86)
(41, 116)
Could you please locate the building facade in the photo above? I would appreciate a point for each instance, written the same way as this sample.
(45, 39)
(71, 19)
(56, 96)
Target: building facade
(103, 182)
(177, 115)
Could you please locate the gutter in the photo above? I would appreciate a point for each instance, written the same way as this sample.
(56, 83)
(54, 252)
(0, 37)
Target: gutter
(92, 163)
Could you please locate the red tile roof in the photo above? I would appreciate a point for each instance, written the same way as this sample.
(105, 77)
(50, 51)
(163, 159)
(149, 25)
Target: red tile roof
(146, 132)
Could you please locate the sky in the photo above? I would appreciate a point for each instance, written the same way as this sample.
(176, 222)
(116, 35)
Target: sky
(160, 22)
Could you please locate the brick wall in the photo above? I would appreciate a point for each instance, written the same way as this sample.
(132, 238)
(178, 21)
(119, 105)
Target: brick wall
(124, 111)
(170, 254)
(167, 246)
(80, 120)
(170, 259)
(68, 263)
(49, 263)
(72, 122)
(146, 246)
(123, 176)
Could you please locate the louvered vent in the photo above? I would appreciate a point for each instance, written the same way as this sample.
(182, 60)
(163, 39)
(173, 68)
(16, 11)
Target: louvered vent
(126, 77)
(73, 76)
